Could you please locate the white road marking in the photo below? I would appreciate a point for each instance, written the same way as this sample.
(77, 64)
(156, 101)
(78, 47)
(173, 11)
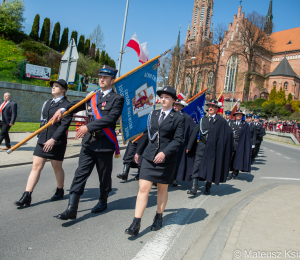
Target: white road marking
(161, 243)
(287, 158)
(278, 153)
(279, 178)
(271, 151)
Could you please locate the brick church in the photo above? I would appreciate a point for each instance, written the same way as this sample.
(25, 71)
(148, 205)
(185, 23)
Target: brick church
(246, 62)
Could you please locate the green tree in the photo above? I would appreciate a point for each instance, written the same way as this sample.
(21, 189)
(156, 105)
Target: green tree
(93, 51)
(11, 17)
(54, 44)
(74, 35)
(112, 63)
(64, 39)
(87, 46)
(290, 98)
(280, 99)
(102, 58)
(80, 46)
(107, 59)
(273, 95)
(45, 32)
(97, 55)
(35, 28)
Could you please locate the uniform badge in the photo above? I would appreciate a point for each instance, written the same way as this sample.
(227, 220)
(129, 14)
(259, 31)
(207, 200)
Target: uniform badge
(89, 108)
(103, 105)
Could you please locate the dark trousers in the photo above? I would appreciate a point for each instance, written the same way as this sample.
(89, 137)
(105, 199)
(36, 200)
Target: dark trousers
(87, 160)
(198, 159)
(4, 135)
(256, 149)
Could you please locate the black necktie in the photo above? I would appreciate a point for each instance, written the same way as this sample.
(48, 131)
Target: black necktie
(101, 95)
(52, 103)
(162, 117)
(210, 120)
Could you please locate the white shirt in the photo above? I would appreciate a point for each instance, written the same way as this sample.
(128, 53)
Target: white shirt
(58, 99)
(213, 116)
(167, 112)
(238, 122)
(106, 92)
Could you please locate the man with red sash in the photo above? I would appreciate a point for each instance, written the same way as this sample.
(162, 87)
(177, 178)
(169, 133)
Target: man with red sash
(99, 142)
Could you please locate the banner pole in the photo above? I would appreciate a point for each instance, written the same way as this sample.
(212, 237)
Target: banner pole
(188, 101)
(220, 95)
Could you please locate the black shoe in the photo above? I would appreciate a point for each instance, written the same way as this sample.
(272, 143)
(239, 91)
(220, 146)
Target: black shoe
(175, 183)
(101, 205)
(157, 222)
(207, 189)
(193, 190)
(59, 194)
(134, 228)
(124, 174)
(25, 200)
(235, 173)
(71, 211)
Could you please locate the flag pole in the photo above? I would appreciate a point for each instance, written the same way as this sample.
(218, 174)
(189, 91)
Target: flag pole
(220, 95)
(197, 95)
(123, 37)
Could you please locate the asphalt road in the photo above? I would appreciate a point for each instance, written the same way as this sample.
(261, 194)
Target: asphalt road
(33, 233)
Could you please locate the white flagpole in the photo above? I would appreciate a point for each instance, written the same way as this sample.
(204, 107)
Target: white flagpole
(122, 41)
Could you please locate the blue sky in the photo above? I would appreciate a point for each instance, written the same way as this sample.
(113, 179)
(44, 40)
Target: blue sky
(155, 22)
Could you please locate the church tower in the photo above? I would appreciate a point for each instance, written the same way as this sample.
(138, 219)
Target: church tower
(199, 29)
(268, 28)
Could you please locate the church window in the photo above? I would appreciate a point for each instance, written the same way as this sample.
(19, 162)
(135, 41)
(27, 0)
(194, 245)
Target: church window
(194, 31)
(232, 34)
(196, 14)
(227, 44)
(275, 84)
(210, 79)
(285, 85)
(202, 14)
(223, 52)
(207, 18)
(198, 84)
(187, 85)
(243, 41)
(240, 36)
(237, 27)
(255, 97)
(231, 73)
(205, 32)
(246, 49)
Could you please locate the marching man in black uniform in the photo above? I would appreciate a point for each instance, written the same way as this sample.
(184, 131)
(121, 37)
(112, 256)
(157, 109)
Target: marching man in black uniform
(253, 135)
(227, 115)
(98, 143)
(241, 156)
(212, 159)
(260, 133)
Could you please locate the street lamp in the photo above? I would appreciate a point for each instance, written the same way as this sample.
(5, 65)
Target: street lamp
(193, 58)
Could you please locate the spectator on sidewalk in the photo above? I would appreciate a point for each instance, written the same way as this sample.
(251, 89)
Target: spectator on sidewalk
(51, 144)
(8, 115)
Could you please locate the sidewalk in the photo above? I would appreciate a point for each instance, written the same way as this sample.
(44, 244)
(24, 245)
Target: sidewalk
(23, 155)
(262, 225)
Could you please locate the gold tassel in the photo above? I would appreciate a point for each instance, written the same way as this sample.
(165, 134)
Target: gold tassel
(117, 155)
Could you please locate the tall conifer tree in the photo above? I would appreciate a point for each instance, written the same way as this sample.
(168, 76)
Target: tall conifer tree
(35, 28)
(54, 44)
(74, 35)
(80, 46)
(97, 55)
(87, 46)
(45, 33)
(64, 39)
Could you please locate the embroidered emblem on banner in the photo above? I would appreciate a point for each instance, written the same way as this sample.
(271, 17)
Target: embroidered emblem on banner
(143, 101)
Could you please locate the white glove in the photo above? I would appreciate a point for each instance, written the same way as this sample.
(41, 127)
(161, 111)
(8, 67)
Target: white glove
(253, 146)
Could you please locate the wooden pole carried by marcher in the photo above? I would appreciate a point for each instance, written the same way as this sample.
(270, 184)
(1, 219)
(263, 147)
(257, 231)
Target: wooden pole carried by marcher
(79, 104)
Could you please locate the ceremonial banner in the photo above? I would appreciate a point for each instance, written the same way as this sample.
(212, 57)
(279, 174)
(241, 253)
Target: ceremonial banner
(196, 108)
(139, 91)
(220, 110)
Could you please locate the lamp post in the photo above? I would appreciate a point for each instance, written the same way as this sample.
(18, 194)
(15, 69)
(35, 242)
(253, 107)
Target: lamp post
(193, 58)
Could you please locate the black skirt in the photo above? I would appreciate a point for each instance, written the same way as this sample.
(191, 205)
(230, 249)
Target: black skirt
(159, 173)
(57, 153)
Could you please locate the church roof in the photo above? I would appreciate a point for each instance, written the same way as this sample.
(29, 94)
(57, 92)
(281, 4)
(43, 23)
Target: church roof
(284, 69)
(287, 40)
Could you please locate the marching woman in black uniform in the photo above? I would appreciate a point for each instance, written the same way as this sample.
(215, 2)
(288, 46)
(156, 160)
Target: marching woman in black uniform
(51, 144)
(162, 138)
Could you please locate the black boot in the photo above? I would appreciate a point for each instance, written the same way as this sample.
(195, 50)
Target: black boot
(101, 205)
(59, 194)
(25, 200)
(207, 188)
(137, 177)
(134, 228)
(124, 174)
(157, 222)
(175, 183)
(193, 190)
(235, 173)
(71, 211)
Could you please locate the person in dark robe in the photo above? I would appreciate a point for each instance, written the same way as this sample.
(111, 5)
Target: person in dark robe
(241, 156)
(227, 116)
(253, 135)
(260, 133)
(214, 149)
(129, 162)
(185, 161)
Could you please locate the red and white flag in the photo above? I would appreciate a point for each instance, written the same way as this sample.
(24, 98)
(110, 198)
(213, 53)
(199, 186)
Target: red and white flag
(181, 96)
(279, 127)
(140, 49)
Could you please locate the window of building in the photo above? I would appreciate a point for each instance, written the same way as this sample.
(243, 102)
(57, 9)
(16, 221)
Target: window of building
(205, 32)
(232, 36)
(223, 52)
(194, 31)
(208, 16)
(237, 27)
(240, 36)
(285, 85)
(196, 14)
(231, 73)
(255, 97)
(227, 44)
(198, 84)
(243, 41)
(274, 84)
(210, 79)
(187, 85)
(202, 14)
(246, 49)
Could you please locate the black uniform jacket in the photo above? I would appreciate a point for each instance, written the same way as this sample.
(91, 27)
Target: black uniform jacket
(253, 133)
(112, 105)
(218, 149)
(260, 132)
(58, 131)
(9, 113)
(171, 136)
